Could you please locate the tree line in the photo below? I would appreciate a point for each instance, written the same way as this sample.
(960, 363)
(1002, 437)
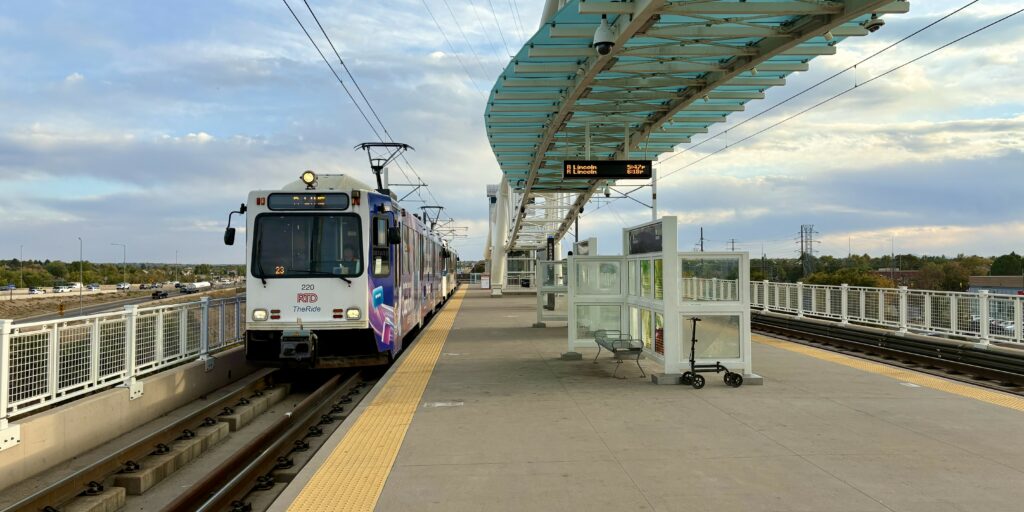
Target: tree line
(44, 273)
(932, 272)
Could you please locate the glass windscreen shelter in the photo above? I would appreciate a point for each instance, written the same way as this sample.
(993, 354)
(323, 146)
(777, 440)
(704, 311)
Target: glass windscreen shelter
(653, 291)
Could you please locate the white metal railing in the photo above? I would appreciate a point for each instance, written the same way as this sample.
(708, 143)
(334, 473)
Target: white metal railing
(713, 289)
(983, 317)
(520, 280)
(53, 361)
(470, 278)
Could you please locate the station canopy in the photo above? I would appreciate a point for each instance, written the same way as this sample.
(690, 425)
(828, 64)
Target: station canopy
(676, 68)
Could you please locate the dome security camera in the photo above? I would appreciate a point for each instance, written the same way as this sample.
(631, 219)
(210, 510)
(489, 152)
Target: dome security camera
(874, 23)
(604, 38)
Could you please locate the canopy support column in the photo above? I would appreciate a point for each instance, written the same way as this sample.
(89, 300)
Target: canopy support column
(498, 235)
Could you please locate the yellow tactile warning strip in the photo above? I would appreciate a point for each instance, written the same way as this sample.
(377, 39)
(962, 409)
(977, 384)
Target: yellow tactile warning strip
(921, 379)
(353, 476)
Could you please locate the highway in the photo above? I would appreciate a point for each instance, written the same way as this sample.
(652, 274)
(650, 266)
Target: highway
(73, 311)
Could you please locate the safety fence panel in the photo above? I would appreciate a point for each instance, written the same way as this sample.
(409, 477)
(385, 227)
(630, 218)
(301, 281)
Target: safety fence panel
(54, 361)
(980, 317)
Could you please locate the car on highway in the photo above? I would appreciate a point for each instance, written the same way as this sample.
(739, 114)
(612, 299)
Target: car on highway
(61, 288)
(124, 286)
(36, 291)
(10, 287)
(159, 294)
(93, 287)
(177, 284)
(143, 286)
(197, 286)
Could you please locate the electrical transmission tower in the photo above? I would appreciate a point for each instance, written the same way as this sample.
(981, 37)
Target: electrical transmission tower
(807, 242)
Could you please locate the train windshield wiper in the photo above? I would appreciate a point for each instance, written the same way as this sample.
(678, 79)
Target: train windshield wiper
(259, 259)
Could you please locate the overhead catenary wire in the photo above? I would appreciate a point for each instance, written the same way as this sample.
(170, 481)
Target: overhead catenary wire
(821, 82)
(500, 32)
(355, 83)
(333, 72)
(452, 48)
(843, 92)
(465, 38)
(419, 179)
(345, 67)
(513, 7)
(487, 35)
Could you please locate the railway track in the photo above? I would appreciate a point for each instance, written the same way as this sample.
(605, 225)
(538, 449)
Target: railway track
(251, 478)
(178, 456)
(248, 478)
(989, 366)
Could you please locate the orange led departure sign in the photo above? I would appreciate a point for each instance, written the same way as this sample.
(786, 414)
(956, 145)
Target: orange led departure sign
(607, 169)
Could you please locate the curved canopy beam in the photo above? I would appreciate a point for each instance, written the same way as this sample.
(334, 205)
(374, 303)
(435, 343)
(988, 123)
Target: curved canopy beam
(676, 68)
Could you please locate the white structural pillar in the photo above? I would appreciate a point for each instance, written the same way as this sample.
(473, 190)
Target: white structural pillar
(10, 435)
(654, 193)
(498, 235)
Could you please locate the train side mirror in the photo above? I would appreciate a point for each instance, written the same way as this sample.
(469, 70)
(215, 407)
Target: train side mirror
(229, 232)
(394, 236)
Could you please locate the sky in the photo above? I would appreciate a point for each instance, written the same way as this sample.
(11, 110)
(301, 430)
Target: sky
(146, 122)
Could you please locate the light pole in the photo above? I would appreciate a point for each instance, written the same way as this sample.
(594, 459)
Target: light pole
(81, 274)
(21, 266)
(175, 265)
(124, 263)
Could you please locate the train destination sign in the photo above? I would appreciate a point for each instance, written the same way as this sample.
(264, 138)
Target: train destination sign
(607, 169)
(308, 201)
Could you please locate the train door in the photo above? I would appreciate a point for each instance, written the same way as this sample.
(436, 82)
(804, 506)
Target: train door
(409, 308)
(381, 312)
(424, 276)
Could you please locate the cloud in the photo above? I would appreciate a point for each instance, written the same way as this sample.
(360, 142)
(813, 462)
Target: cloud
(187, 107)
(797, 149)
(74, 78)
(988, 239)
(201, 137)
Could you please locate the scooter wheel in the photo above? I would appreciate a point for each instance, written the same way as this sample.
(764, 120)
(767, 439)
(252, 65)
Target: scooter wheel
(687, 378)
(737, 380)
(727, 378)
(698, 381)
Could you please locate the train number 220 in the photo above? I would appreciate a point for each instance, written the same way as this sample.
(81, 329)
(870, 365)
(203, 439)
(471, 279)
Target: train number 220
(308, 287)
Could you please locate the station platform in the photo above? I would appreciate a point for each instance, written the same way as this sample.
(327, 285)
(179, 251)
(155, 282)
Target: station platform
(481, 414)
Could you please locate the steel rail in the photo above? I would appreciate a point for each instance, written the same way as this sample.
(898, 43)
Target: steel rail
(236, 477)
(962, 358)
(76, 483)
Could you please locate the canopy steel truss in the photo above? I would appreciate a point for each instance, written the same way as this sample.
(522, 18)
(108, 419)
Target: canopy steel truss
(676, 68)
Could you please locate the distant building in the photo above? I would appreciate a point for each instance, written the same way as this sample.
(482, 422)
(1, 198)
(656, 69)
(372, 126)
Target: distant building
(1011, 285)
(906, 278)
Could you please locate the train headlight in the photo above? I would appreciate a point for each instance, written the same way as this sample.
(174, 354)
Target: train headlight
(309, 178)
(353, 314)
(259, 315)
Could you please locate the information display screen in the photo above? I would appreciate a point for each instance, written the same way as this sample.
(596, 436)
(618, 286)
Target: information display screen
(645, 239)
(333, 201)
(607, 169)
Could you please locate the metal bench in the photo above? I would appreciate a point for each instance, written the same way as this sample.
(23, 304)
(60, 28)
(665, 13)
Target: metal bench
(618, 344)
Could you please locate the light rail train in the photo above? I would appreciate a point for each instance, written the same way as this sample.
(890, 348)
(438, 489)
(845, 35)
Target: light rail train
(337, 273)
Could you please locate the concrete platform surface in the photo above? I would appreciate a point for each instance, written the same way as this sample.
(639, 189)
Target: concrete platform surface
(505, 424)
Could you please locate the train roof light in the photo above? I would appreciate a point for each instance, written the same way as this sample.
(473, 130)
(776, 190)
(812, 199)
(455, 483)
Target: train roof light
(309, 178)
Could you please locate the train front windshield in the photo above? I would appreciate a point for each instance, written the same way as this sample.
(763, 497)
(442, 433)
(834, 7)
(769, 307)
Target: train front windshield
(301, 245)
